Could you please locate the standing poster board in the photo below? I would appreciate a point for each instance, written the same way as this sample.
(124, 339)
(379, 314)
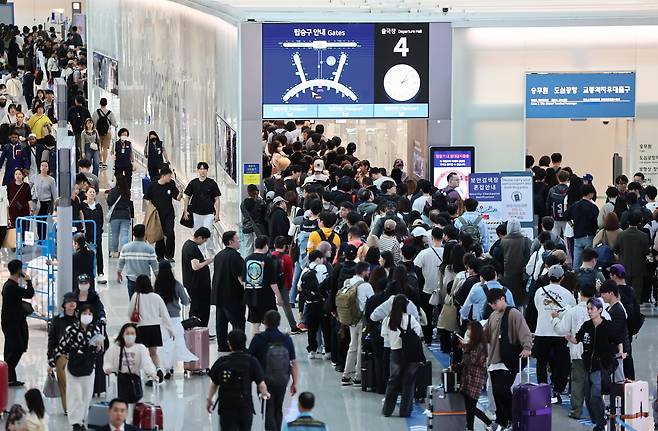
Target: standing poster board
(444, 160)
(501, 196)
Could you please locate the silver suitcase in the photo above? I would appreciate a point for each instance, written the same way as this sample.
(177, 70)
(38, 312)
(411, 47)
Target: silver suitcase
(445, 411)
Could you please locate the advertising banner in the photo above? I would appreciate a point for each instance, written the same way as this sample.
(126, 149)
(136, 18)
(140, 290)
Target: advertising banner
(452, 159)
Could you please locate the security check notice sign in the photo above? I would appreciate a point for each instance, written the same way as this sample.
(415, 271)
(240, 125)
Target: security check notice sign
(580, 95)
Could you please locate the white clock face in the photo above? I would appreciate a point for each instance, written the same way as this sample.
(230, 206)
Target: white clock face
(401, 82)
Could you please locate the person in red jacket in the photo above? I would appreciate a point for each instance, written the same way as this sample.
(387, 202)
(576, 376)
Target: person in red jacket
(284, 278)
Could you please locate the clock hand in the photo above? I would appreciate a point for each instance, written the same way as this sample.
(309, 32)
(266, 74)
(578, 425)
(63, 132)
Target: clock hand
(405, 78)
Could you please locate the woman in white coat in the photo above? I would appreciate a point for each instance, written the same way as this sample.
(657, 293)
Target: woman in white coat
(126, 356)
(173, 294)
(149, 312)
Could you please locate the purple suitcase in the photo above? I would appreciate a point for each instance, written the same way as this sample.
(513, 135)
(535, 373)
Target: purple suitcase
(531, 405)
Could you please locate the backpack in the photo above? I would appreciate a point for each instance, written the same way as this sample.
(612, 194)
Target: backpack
(487, 310)
(236, 380)
(557, 201)
(606, 257)
(278, 269)
(586, 276)
(310, 287)
(330, 240)
(347, 304)
(103, 123)
(277, 364)
(471, 228)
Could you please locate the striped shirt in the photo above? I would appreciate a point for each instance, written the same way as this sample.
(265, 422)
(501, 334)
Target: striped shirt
(137, 258)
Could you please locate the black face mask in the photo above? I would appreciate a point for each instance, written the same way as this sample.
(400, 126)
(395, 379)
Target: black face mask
(154, 140)
(3, 104)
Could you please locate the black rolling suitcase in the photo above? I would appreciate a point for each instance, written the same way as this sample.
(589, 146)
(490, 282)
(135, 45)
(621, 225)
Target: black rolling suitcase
(367, 371)
(423, 380)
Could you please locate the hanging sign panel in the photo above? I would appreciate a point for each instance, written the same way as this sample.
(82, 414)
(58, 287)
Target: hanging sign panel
(580, 95)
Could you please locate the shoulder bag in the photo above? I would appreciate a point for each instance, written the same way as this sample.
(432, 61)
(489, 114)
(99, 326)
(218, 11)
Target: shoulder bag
(129, 385)
(412, 346)
(108, 216)
(135, 317)
(81, 364)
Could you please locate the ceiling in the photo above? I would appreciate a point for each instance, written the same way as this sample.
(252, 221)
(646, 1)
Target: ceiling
(431, 10)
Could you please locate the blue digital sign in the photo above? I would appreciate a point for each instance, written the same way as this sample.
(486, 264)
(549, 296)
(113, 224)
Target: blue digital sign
(580, 95)
(332, 70)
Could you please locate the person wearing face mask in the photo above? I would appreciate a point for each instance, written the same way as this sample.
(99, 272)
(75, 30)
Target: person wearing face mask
(14, 318)
(81, 343)
(473, 370)
(156, 154)
(125, 356)
(123, 156)
(83, 262)
(93, 211)
(57, 363)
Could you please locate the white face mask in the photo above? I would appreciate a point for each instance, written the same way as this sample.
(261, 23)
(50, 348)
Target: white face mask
(83, 287)
(467, 337)
(129, 339)
(122, 138)
(86, 319)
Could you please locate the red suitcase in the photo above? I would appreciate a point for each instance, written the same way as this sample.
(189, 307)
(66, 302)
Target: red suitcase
(4, 386)
(198, 342)
(148, 416)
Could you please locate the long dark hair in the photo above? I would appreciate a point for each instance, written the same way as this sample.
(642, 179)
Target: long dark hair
(143, 284)
(165, 283)
(122, 186)
(476, 337)
(398, 308)
(389, 261)
(34, 402)
(377, 278)
(398, 281)
(120, 340)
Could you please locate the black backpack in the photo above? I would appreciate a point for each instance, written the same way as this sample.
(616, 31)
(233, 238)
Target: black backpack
(557, 201)
(310, 287)
(277, 364)
(487, 310)
(103, 123)
(278, 269)
(330, 240)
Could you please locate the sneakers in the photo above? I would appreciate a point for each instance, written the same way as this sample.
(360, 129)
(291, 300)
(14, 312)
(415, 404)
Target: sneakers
(302, 327)
(556, 398)
(356, 382)
(295, 331)
(494, 427)
(327, 357)
(16, 384)
(312, 355)
(346, 381)
(160, 376)
(101, 279)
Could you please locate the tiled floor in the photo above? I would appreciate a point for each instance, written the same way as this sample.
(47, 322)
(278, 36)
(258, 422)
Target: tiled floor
(343, 408)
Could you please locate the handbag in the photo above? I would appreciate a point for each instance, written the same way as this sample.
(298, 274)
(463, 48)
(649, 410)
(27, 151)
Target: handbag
(449, 316)
(51, 387)
(82, 364)
(27, 308)
(135, 317)
(192, 322)
(435, 299)
(412, 346)
(189, 223)
(109, 213)
(129, 385)
(153, 225)
(10, 239)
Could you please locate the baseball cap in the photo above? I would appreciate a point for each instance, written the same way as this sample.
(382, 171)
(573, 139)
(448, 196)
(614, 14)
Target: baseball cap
(83, 278)
(618, 270)
(350, 252)
(270, 195)
(418, 231)
(588, 177)
(318, 165)
(555, 271)
(32, 135)
(277, 200)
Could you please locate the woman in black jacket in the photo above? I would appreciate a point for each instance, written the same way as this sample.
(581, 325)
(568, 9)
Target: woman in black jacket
(12, 54)
(57, 363)
(93, 211)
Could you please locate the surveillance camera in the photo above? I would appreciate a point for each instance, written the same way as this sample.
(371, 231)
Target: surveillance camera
(445, 10)
(605, 121)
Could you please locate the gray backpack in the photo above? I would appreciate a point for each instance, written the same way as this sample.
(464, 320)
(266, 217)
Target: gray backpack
(471, 228)
(277, 364)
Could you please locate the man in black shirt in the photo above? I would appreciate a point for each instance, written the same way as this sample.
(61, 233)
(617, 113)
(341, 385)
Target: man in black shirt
(227, 288)
(260, 283)
(201, 200)
(76, 116)
(584, 215)
(618, 328)
(196, 275)
(232, 375)
(161, 193)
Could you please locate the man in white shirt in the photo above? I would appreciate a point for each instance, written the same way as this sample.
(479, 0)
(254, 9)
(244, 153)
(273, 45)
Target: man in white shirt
(352, 373)
(314, 316)
(568, 322)
(420, 202)
(428, 263)
(650, 193)
(550, 346)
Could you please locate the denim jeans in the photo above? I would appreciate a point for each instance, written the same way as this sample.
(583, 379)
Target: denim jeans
(131, 287)
(120, 231)
(94, 158)
(579, 244)
(301, 263)
(594, 400)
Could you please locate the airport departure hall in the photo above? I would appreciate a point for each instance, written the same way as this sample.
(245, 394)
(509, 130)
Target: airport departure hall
(335, 215)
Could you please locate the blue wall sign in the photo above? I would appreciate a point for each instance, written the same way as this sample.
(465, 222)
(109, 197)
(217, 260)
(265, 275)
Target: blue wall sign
(484, 187)
(580, 95)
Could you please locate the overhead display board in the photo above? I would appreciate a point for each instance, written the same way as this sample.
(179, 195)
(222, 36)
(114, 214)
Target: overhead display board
(345, 70)
(445, 160)
(580, 95)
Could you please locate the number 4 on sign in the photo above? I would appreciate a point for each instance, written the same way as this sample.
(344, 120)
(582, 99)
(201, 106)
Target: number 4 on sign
(401, 47)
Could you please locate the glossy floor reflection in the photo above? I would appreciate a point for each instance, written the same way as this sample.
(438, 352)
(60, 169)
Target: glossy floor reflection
(343, 408)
